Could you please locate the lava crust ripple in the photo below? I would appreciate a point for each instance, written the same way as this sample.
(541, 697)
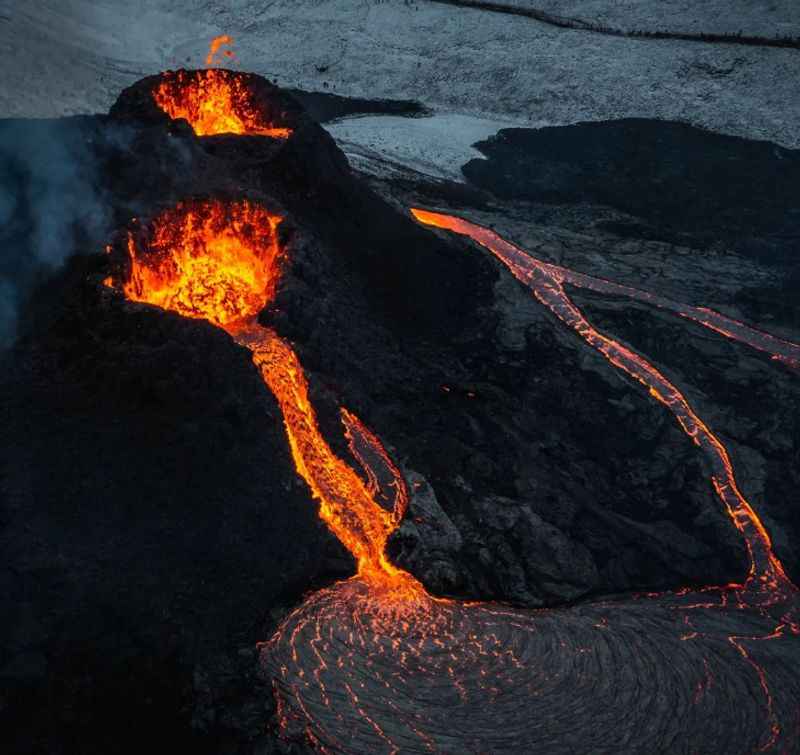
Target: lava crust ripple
(656, 674)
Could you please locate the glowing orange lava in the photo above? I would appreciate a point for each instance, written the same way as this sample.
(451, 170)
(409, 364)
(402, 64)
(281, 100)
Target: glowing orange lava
(214, 101)
(212, 260)
(374, 664)
(219, 261)
(766, 575)
(347, 505)
(214, 49)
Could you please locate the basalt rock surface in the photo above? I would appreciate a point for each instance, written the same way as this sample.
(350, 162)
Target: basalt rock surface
(751, 400)
(152, 522)
(667, 181)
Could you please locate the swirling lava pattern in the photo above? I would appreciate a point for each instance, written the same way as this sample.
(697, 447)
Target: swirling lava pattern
(640, 676)
(357, 669)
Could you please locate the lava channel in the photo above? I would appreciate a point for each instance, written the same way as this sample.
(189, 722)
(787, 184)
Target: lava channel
(220, 261)
(766, 576)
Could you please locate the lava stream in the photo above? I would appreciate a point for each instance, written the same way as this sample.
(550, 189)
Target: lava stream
(347, 504)
(766, 574)
(219, 262)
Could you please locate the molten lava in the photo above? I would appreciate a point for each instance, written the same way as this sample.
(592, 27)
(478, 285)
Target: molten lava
(214, 49)
(652, 675)
(347, 505)
(219, 261)
(212, 260)
(374, 664)
(214, 101)
(766, 576)
(385, 482)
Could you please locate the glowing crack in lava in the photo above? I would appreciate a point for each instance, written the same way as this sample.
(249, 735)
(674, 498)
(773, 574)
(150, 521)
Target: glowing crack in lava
(219, 261)
(214, 101)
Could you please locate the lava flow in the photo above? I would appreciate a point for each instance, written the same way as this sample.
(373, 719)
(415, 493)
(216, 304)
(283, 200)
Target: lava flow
(643, 675)
(215, 101)
(546, 281)
(374, 664)
(220, 262)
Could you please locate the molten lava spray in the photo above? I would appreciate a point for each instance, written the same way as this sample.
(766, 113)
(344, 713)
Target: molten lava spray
(211, 260)
(214, 101)
(214, 49)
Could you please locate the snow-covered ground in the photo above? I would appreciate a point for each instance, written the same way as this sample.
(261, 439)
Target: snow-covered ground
(478, 70)
(767, 18)
(437, 146)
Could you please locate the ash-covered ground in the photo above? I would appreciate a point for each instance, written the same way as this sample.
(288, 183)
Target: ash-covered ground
(153, 526)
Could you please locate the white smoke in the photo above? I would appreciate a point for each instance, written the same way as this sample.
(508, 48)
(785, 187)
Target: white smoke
(49, 197)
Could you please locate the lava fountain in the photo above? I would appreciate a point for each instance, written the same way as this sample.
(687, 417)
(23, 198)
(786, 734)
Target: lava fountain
(215, 49)
(215, 101)
(207, 259)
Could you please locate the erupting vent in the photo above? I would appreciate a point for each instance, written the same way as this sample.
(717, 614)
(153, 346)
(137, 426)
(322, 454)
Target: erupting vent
(219, 261)
(214, 102)
(210, 259)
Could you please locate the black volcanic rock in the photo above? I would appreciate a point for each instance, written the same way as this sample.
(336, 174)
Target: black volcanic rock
(751, 400)
(521, 410)
(151, 518)
(326, 107)
(407, 272)
(682, 181)
(672, 181)
(151, 531)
